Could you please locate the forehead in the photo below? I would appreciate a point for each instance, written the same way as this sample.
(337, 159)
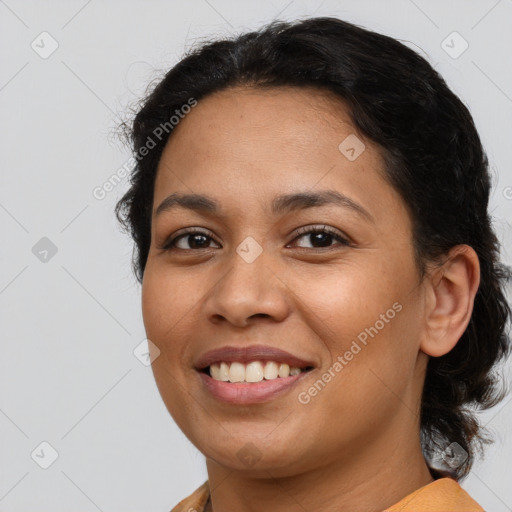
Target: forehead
(286, 118)
(247, 143)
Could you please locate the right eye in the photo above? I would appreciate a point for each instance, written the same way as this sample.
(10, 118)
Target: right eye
(194, 238)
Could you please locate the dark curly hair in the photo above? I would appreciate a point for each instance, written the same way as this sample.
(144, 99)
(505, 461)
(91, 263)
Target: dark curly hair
(433, 157)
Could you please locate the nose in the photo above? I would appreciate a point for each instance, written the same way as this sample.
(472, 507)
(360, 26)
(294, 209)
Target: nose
(247, 290)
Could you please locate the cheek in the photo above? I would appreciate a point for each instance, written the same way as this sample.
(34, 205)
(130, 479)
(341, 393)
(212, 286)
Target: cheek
(345, 300)
(166, 309)
(155, 302)
(368, 327)
(167, 314)
(166, 295)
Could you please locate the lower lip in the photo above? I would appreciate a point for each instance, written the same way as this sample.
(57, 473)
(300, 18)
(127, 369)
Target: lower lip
(250, 392)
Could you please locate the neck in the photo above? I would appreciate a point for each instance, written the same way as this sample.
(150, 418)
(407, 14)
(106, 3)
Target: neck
(379, 477)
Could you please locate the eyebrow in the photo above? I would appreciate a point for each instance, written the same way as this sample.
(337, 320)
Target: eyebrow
(285, 203)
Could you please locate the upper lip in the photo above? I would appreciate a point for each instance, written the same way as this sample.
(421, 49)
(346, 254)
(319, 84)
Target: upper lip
(250, 353)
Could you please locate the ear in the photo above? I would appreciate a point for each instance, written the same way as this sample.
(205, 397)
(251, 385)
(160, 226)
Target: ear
(450, 294)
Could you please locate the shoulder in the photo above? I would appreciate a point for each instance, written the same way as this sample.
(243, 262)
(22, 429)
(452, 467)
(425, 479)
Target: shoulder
(443, 495)
(196, 501)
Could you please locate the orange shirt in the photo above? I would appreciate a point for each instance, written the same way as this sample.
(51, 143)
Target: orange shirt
(442, 495)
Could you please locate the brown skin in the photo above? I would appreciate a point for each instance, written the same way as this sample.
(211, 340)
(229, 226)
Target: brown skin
(355, 446)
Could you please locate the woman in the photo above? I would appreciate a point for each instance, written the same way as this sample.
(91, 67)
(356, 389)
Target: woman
(320, 277)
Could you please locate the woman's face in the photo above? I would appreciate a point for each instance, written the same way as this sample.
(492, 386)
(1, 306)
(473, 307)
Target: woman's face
(352, 311)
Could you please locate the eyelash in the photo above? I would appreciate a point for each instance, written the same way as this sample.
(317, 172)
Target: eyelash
(307, 230)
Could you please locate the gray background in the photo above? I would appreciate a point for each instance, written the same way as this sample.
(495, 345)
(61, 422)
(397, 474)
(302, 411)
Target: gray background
(71, 320)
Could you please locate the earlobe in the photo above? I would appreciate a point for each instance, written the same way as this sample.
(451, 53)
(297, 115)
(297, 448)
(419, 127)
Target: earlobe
(449, 301)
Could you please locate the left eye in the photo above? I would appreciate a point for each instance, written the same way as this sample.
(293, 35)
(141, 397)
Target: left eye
(323, 236)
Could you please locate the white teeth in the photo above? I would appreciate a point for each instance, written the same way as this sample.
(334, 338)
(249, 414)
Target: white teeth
(236, 372)
(224, 372)
(271, 370)
(255, 371)
(215, 371)
(284, 370)
(220, 371)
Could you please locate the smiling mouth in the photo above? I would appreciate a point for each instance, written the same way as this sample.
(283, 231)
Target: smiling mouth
(252, 372)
